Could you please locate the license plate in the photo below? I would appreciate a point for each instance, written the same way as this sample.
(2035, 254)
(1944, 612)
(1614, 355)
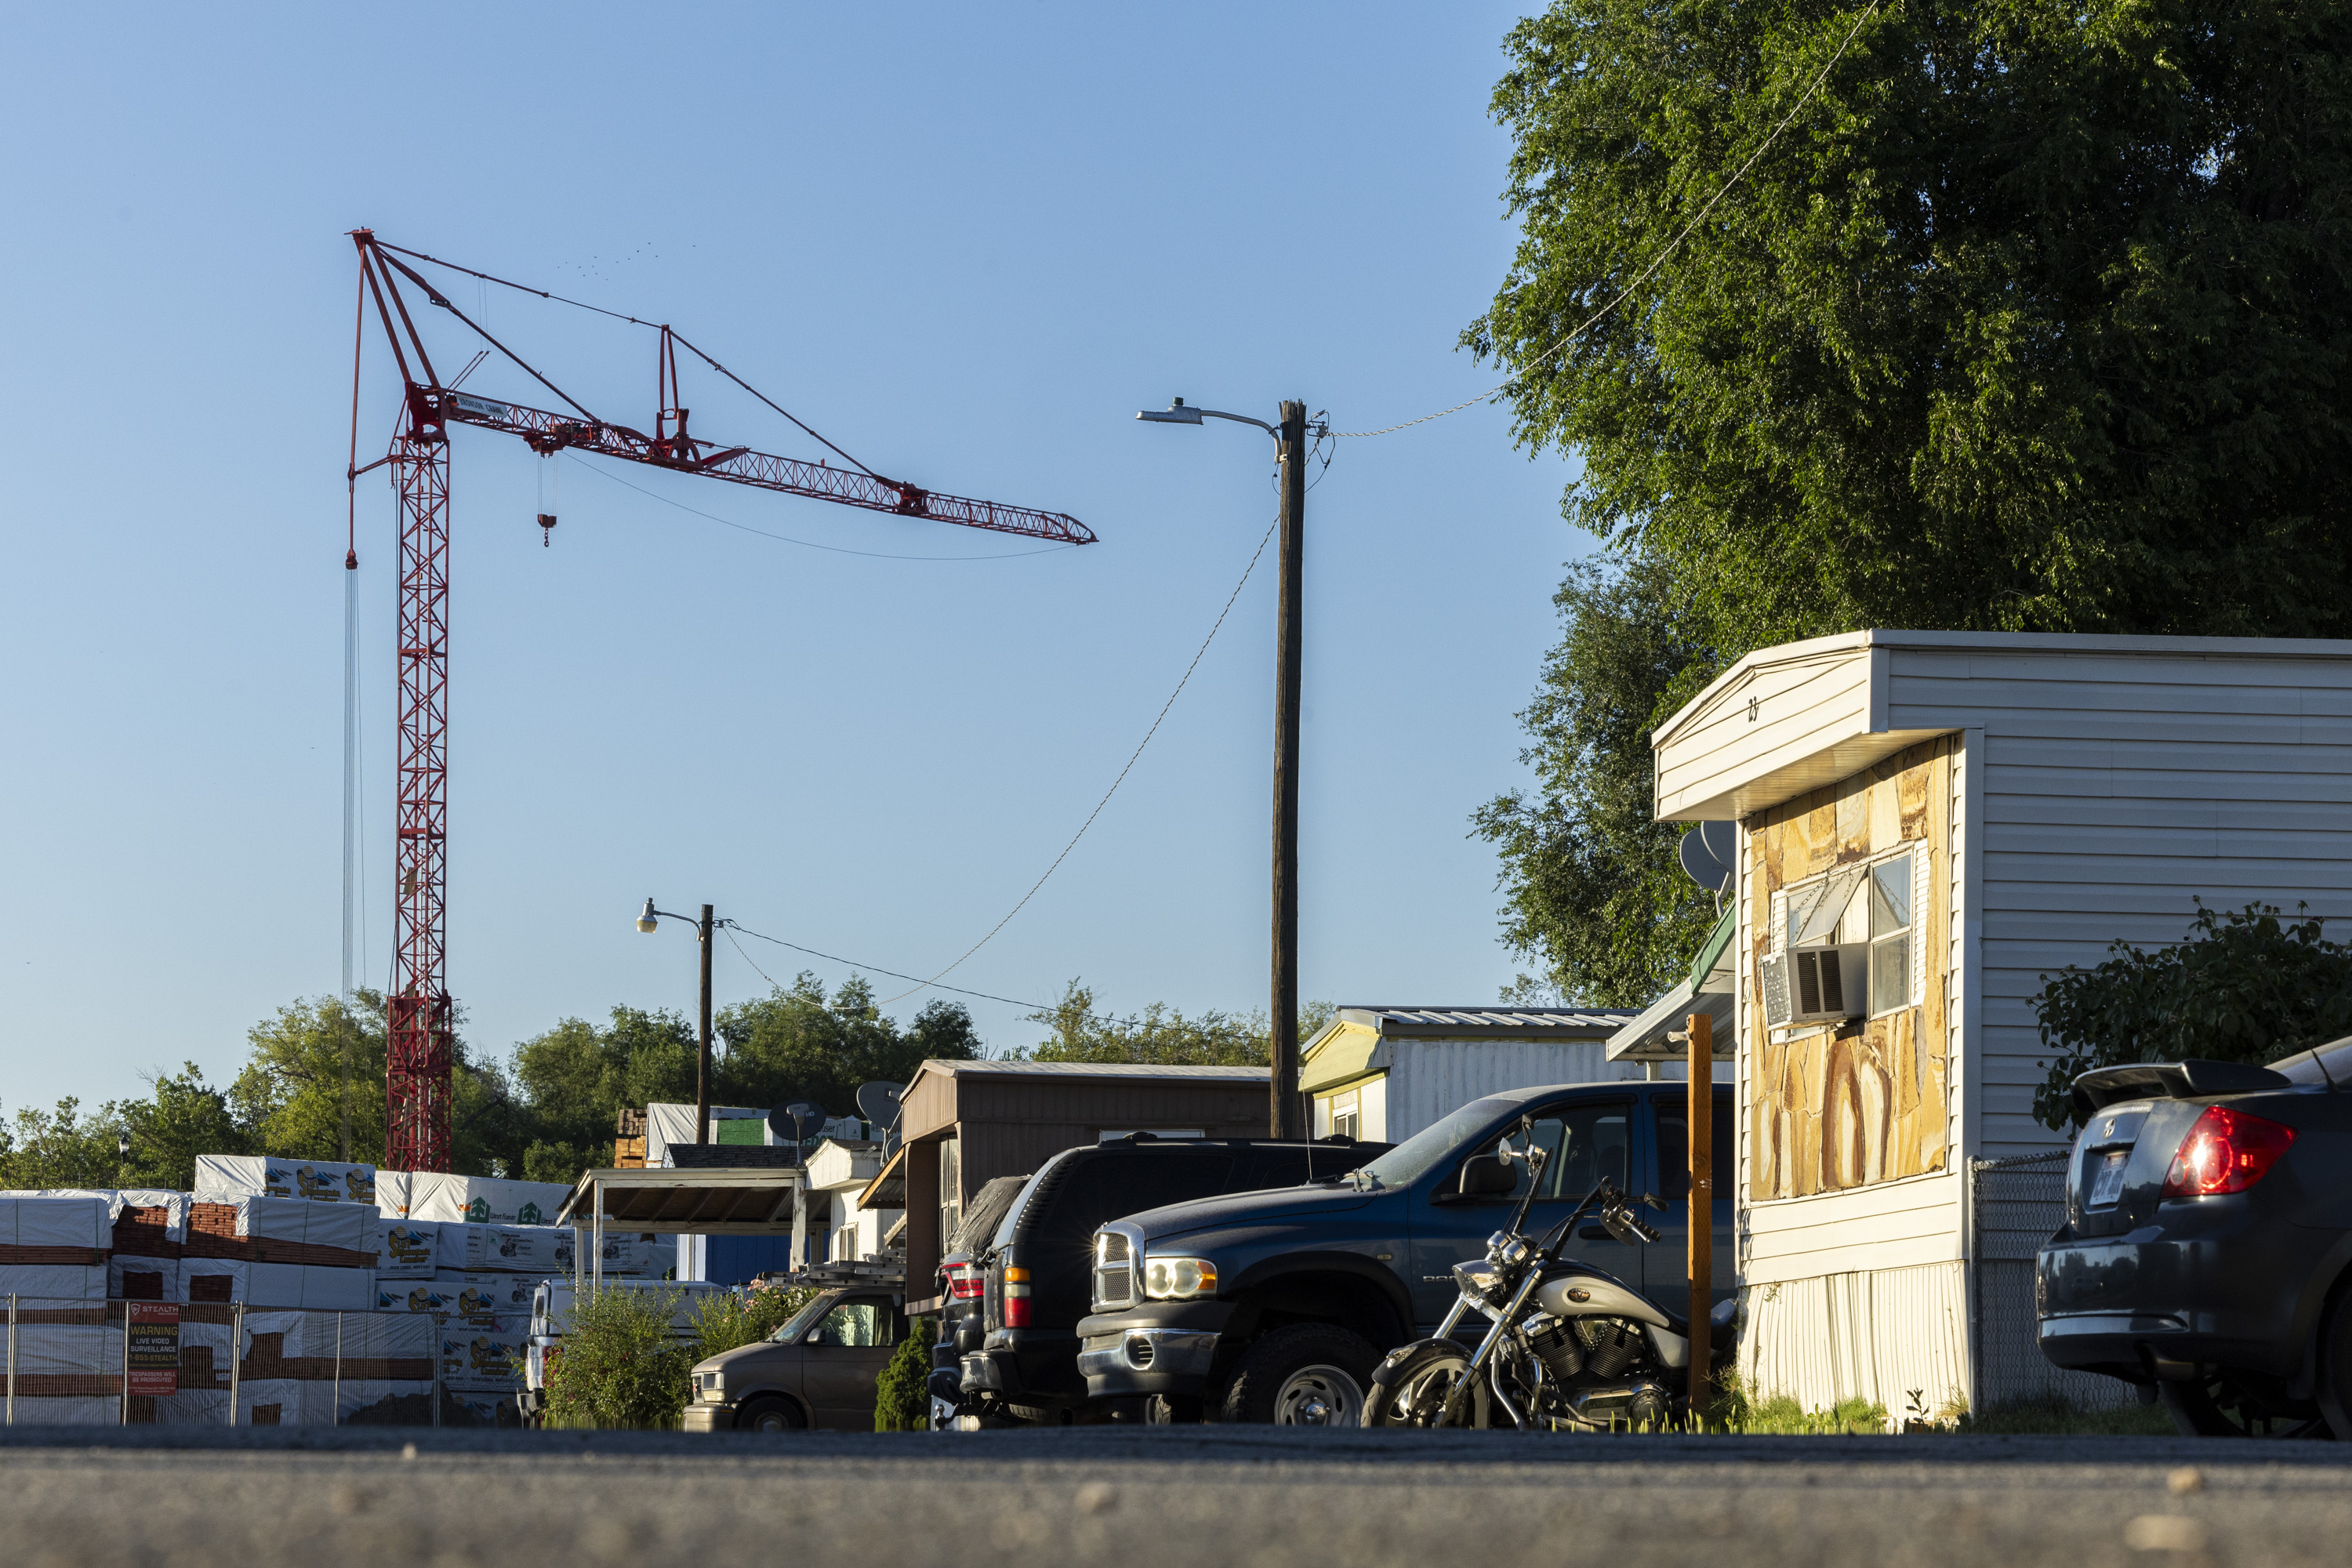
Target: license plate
(2107, 1185)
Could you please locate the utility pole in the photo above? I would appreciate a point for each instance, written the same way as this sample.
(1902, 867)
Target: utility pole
(702, 1058)
(1288, 630)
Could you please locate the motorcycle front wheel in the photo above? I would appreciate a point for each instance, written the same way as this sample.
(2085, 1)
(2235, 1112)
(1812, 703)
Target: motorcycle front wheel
(1410, 1388)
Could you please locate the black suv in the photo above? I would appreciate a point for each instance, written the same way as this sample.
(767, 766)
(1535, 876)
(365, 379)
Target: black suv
(1275, 1307)
(2208, 1240)
(1037, 1265)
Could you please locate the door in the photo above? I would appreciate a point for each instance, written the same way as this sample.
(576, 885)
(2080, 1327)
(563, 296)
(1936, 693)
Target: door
(842, 1357)
(1666, 1263)
(1584, 1138)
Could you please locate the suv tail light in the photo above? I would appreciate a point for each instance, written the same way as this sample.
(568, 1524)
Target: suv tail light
(964, 1282)
(2225, 1151)
(1017, 1297)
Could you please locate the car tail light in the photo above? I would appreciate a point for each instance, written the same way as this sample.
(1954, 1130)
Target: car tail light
(1017, 1297)
(964, 1282)
(2225, 1151)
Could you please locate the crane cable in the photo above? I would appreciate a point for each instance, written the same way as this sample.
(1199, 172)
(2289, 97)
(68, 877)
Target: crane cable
(1131, 760)
(1656, 261)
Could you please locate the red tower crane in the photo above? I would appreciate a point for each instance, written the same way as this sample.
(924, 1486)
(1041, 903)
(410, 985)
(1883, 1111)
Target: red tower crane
(419, 1056)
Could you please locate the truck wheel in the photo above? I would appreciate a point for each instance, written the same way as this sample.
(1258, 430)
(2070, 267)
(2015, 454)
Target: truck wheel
(1308, 1375)
(770, 1416)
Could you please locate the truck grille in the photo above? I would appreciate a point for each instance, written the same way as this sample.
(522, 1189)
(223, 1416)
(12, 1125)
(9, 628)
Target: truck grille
(1114, 1270)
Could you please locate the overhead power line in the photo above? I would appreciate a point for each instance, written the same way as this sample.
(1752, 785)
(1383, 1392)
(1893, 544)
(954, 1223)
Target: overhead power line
(734, 926)
(1656, 261)
(1137, 752)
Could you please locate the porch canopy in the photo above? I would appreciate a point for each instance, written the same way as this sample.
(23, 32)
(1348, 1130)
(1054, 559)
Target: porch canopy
(1707, 989)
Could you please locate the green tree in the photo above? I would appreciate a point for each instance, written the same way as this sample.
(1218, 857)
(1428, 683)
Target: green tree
(798, 1045)
(2032, 318)
(1160, 1034)
(575, 1079)
(902, 1394)
(319, 1060)
(1596, 897)
(184, 1117)
(2245, 987)
(61, 1148)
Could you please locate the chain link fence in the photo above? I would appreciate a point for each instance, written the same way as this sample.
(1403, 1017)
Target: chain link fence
(150, 1363)
(2017, 1205)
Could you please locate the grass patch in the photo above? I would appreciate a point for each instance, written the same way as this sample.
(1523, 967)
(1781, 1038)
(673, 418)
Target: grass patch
(2058, 1415)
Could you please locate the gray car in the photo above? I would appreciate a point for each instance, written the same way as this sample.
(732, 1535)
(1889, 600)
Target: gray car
(819, 1370)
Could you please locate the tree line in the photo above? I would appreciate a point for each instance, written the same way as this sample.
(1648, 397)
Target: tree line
(313, 1086)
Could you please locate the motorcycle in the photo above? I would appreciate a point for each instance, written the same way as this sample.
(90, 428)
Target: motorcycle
(1569, 1346)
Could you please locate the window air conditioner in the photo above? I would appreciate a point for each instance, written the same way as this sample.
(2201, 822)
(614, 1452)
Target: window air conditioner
(1814, 985)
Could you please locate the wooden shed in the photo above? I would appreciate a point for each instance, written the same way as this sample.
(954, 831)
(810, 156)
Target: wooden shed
(1928, 824)
(964, 1123)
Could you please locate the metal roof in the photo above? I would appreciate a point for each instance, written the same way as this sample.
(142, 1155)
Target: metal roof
(1488, 1023)
(740, 1202)
(1002, 1068)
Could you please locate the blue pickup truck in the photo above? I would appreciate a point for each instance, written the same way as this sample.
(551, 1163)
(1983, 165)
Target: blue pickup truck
(1275, 1306)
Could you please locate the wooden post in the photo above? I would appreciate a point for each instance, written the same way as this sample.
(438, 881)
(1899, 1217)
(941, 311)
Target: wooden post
(1282, 1022)
(1702, 1205)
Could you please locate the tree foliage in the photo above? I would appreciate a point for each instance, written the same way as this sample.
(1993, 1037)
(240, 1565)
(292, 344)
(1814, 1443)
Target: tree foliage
(2034, 318)
(902, 1394)
(2245, 987)
(798, 1044)
(1596, 897)
(1159, 1034)
(184, 1117)
(576, 1078)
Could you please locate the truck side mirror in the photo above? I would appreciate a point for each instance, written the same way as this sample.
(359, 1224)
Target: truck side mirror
(1485, 1176)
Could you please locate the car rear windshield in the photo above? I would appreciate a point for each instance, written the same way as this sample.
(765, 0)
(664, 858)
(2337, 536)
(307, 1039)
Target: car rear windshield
(1427, 1149)
(2325, 1066)
(1112, 1185)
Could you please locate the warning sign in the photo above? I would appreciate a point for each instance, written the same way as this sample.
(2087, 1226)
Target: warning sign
(152, 1352)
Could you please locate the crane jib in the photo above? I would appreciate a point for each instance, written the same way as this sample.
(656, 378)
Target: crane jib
(549, 432)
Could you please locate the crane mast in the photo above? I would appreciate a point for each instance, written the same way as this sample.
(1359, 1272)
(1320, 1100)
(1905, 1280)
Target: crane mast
(419, 1014)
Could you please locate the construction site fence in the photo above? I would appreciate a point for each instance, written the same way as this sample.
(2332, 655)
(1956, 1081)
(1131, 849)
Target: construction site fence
(226, 1365)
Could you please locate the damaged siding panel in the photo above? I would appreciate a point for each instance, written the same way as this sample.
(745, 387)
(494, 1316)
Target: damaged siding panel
(1831, 1109)
(1874, 1336)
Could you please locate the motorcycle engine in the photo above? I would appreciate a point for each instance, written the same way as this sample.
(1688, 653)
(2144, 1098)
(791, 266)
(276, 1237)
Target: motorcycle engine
(1609, 1344)
(1562, 1352)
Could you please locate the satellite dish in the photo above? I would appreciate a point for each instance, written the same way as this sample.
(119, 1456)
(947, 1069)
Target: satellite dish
(1705, 863)
(877, 1101)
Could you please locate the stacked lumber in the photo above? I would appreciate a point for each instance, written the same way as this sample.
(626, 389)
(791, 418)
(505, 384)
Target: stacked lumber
(221, 1177)
(55, 1248)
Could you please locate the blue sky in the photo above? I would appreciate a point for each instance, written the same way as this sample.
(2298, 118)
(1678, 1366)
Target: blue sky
(967, 244)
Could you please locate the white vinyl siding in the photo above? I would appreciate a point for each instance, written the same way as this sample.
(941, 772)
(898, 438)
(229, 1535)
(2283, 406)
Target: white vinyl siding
(2119, 788)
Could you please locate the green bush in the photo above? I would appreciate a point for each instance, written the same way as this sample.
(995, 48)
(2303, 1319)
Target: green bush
(902, 1395)
(722, 1324)
(620, 1364)
(2245, 987)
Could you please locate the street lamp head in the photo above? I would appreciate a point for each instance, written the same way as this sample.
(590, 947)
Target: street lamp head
(1174, 413)
(645, 921)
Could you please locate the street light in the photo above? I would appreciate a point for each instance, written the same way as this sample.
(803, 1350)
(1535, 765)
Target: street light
(1290, 442)
(650, 918)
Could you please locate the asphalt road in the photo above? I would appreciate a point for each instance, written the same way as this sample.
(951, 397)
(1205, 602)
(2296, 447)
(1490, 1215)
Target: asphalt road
(1204, 1498)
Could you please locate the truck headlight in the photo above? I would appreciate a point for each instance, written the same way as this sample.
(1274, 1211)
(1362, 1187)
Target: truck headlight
(1178, 1279)
(709, 1386)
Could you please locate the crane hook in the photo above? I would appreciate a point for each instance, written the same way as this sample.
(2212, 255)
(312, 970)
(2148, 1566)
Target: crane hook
(547, 529)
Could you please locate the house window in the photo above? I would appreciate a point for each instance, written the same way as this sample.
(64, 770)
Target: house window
(1890, 901)
(1347, 1114)
(950, 1193)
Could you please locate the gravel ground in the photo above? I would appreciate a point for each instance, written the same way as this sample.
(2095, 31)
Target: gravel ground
(1206, 1497)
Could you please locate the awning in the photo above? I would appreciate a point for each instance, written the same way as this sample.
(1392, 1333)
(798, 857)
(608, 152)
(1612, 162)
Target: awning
(700, 1203)
(1709, 988)
(887, 1190)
